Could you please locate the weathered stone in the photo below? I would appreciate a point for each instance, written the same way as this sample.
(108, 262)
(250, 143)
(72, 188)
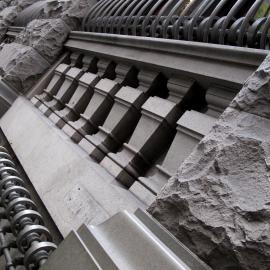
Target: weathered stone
(3, 30)
(21, 65)
(79, 8)
(45, 36)
(54, 8)
(22, 4)
(255, 96)
(3, 5)
(9, 14)
(218, 204)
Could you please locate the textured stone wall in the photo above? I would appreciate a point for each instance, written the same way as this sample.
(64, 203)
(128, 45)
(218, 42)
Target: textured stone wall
(218, 204)
(40, 43)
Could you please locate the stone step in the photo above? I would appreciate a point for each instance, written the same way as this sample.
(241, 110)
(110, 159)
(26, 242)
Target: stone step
(125, 241)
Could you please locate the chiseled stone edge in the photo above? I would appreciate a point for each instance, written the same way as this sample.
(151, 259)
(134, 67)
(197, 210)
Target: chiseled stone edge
(218, 203)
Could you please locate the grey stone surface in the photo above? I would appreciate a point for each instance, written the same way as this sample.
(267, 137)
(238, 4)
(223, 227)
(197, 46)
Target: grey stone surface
(191, 128)
(45, 36)
(118, 126)
(9, 14)
(96, 111)
(64, 94)
(73, 188)
(3, 5)
(78, 101)
(255, 96)
(151, 135)
(218, 202)
(22, 4)
(21, 65)
(125, 241)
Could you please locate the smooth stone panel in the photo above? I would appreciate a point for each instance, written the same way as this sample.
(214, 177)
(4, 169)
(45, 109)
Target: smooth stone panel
(219, 99)
(73, 188)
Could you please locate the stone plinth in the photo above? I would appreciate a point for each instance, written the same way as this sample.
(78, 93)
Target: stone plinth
(78, 101)
(118, 126)
(96, 111)
(65, 92)
(54, 85)
(151, 136)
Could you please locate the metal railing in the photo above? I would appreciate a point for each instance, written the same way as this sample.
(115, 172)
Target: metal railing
(242, 23)
(23, 228)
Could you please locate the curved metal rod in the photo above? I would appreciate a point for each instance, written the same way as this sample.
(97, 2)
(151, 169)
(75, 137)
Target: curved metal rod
(134, 11)
(150, 13)
(250, 14)
(106, 14)
(253, 31)
(211, 18)
(99, 14)
(116, 15)
(86, 19)
(234, 30)
(190, 7)
(236, 7)
(189, 27)
(140, 13)
(166, 23)
(131, 5)
(264, 33)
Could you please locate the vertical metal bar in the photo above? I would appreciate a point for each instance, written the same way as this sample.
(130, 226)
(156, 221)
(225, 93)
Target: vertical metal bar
(264, 33)
(151, 12)
(211, 18)
(128, 10)
(244, 26)
(237, 6)
(138, 16)
(130, 17)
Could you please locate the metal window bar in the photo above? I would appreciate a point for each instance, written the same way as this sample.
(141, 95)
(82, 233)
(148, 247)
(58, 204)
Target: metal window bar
(229, 22)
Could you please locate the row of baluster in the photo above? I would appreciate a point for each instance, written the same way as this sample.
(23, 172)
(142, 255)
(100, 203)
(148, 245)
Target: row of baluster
(138, 125)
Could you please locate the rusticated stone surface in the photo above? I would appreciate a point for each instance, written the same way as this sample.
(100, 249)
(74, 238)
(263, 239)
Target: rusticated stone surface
(9, 14)
(255, 96)
(45, 36)
(22, 4)
(218, 204)
(21, 66)
(3, 5)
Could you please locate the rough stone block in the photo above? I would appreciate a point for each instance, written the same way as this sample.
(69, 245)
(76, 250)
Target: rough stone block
(218, 201)
(45, 36)
(21, 65)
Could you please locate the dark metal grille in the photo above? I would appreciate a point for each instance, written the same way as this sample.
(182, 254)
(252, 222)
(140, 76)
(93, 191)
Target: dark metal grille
(242, 23)
(24, 240)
